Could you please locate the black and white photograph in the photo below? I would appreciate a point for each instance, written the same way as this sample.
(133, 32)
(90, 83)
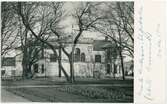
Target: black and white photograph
(69, 51)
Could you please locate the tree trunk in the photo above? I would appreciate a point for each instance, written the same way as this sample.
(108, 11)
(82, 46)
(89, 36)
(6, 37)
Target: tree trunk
(30, 74)
(72, 79)
(24, 66)
(122, 64)
(66, 75)
(71, 60)
(59, 61)
(114, 69)
(61, 67)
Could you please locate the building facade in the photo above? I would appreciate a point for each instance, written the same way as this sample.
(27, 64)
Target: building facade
(91, 59)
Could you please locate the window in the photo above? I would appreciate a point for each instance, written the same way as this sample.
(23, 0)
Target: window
(8, 61)
(82, 57)
(97, 58)
(77, 55)
(53, 58)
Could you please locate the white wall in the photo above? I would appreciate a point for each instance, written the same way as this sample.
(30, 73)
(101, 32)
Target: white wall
(81, 69)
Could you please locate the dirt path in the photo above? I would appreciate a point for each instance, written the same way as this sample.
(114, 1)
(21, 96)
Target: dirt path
(10, 97)
(48, 95)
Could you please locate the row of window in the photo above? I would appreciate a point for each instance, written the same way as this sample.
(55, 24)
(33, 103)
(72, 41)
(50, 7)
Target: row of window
(77, 58)
(10, 61)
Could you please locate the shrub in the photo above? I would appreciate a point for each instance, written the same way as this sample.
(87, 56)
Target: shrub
(94, 92)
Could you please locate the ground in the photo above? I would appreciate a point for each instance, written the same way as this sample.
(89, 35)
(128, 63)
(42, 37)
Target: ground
(58, 90)
(10, 97)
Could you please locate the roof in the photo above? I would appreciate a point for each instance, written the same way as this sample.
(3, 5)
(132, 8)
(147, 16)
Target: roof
(82, 40)
(100, 45)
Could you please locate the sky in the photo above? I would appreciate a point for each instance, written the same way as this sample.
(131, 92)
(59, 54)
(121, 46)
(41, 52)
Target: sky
(69, 21)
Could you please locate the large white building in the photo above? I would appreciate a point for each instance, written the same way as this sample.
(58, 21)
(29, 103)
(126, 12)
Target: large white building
(91, 59)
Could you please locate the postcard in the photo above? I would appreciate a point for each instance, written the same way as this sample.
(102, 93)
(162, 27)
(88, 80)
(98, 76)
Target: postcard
(84, 51)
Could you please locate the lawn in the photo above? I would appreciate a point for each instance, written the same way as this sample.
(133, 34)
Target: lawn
(80, 91)
(75, 94)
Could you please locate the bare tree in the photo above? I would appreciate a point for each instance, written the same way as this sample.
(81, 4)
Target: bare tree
(30, 46)
(40, 20)
(26, 11)
(123, 21)
(118, 24)
(85, 19)
(9, 35)
(56, 29)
